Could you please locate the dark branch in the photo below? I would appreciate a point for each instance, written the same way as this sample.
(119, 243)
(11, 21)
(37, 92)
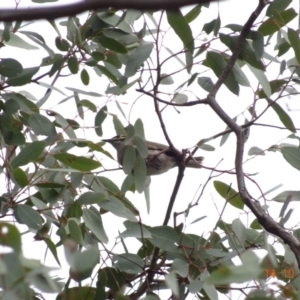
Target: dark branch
(191, 103)
(54, 12)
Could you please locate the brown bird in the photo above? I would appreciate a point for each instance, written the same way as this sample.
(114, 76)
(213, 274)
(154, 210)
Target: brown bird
(160, 157)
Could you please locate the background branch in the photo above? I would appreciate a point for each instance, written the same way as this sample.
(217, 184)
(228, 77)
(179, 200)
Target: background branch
(54, 12)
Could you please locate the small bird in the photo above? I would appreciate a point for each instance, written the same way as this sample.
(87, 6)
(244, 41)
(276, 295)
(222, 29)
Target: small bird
(160, 157)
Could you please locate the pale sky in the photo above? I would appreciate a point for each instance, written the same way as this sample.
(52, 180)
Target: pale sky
(185, 130)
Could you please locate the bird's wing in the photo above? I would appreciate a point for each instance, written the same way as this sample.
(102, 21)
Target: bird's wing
(156, 146)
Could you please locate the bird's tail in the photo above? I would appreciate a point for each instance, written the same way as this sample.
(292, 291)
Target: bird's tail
(195, 162)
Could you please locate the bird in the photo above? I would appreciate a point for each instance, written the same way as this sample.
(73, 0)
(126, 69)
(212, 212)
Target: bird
(161, 158)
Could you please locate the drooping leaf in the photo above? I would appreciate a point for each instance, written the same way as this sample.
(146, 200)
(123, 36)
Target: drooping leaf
(40, 124)
(112, 44)
(28, 216)
(229, 194)
(278, 20)
(193, 13)
(94, 222)
(116, 207)
(256, 151)
(20, 177)
(295, 42)
(181, 27)
(284, 196)
(10, 67)
(283, 116)
(129, 159)
(10, 237)
(30, 152)
(140, 173)
(24, 78)
(80, 163)
(217, 63)
(206, 83)
(99, 119)
(137, 58)
(292, 156)
(73, 64)
(85, 78)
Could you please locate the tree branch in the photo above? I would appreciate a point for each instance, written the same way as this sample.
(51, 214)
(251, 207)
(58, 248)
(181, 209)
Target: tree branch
(263, 218)
(54, 12)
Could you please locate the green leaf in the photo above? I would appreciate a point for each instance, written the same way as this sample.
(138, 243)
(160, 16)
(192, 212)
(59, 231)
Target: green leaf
(119, 128)
(80, 163)
(283, 196)
(277, 5)
(258, 44)
(166, 79)
(78, 91)
(30, 152)
(61, 44)
(217, 63)
(85, 78)
(140, 173)
(90, 105)
(229, 194)
(20, 177)
(94, 222)
(128, 184)
(180, 98)
(40, 124)
(116, 207)
(10, 237)
(165, 238)
(262, 79)
(137, 231)
(181, 28)
(249, 270)
(193, 13)
(212, 25)
(83, 263)
(247, 54)
(52, 248)
(11, 106)
(91, 198)
(66, 125)
(139, 128)
(10, 67)
(206, 83)
(277, 21)
(283, 116)
(73, 64)
(107, 73)
(294, 40)
(256, 151)
(75, 231)
(112, 44)
(141, 146)
(128, 263)
(275, 85)
(16, 41)
(207, 147)
(57, 65)
(129, 159)
(96, 55)
(99, 119)
(292, 156)
(28, 216)
(137, 58)
(24, 78)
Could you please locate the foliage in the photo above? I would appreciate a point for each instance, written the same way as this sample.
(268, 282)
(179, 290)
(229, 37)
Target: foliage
(52, 174)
